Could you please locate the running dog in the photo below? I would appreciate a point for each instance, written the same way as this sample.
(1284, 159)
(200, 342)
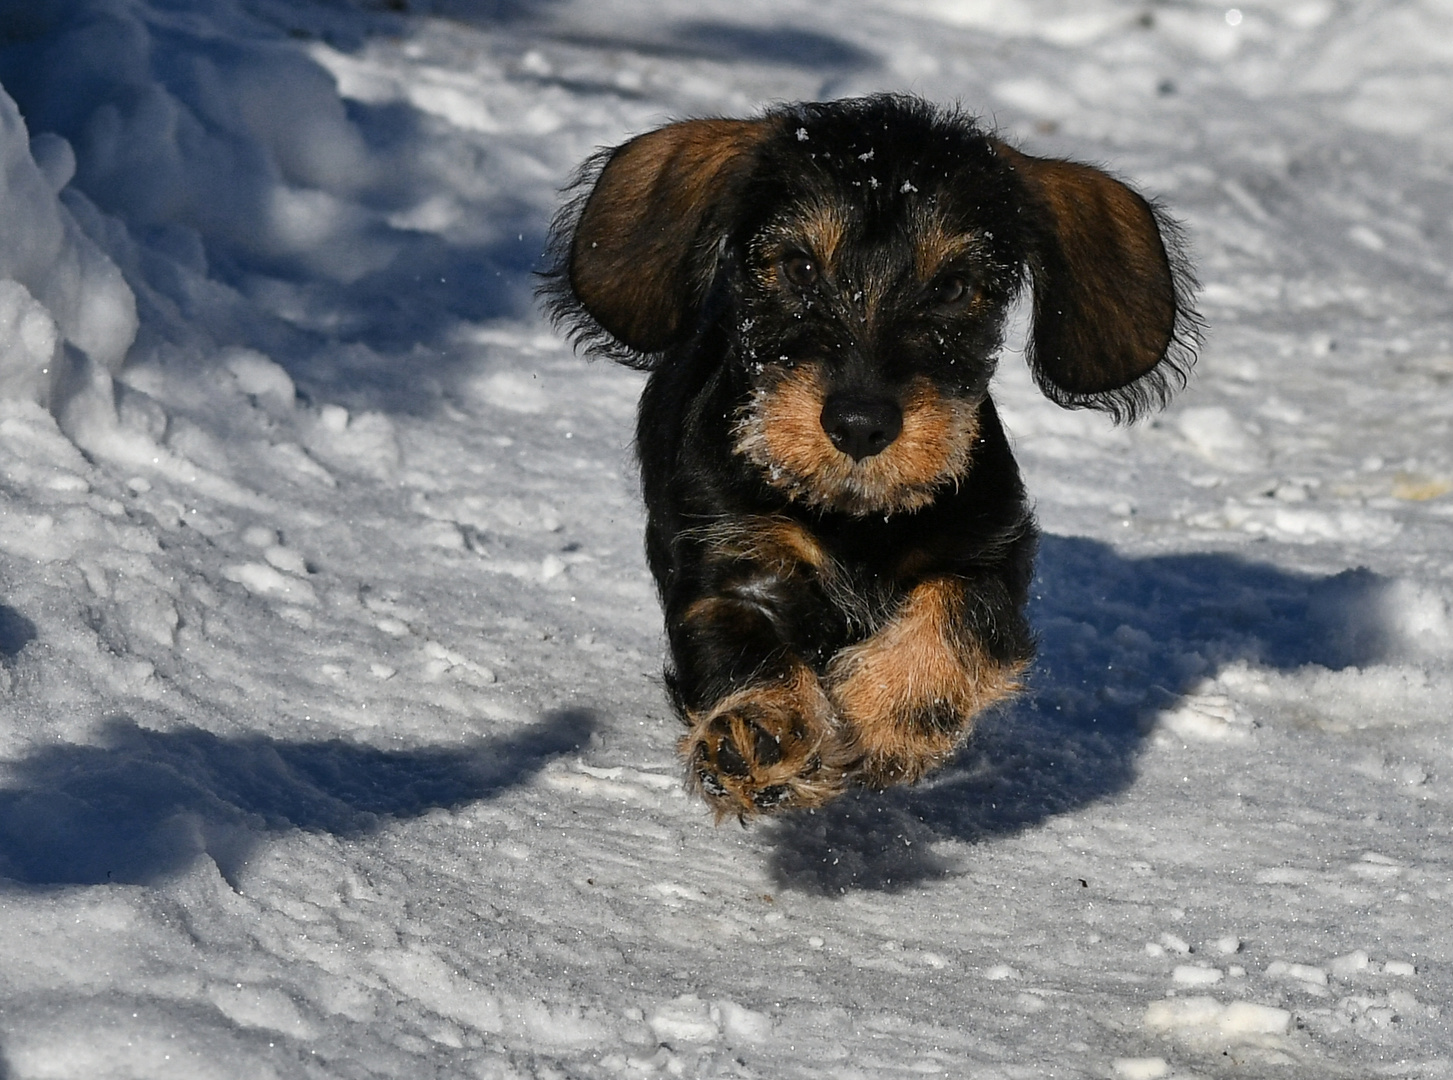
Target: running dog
(835, 521)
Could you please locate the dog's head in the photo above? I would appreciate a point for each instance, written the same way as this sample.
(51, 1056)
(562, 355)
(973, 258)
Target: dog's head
(858, 259)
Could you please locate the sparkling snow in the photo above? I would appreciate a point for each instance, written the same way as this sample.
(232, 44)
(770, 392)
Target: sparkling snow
(331, 736)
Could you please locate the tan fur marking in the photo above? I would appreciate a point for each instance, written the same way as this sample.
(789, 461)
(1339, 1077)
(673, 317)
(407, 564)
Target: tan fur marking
(777, 544)
(766, 748)
(934, 247)
(914, 668)
(817, 231)
(917, 560)
(722, 612)
(823, 229)
(780, 431)
(772, 546)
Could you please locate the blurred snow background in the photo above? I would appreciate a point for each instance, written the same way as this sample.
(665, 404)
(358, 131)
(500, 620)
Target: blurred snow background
(330, 737)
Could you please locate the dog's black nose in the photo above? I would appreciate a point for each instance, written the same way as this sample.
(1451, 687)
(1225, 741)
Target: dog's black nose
(861, 426)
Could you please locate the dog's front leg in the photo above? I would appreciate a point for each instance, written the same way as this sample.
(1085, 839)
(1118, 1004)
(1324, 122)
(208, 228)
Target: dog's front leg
(762, 734)
(911, 691)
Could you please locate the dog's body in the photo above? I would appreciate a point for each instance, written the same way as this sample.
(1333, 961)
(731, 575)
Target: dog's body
(835, 521)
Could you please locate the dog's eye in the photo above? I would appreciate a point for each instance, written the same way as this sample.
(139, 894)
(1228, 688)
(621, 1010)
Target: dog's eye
(952, 291)
(800, 270)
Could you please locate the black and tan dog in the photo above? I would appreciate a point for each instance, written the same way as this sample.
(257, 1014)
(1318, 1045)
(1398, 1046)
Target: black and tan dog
(835, 521)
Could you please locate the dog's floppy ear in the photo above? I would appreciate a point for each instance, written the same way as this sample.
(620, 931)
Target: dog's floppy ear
(1113, 324)
(638, 251)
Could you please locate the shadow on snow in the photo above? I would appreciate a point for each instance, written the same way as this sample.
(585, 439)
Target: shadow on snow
(16, 632)
(143, 805)
(1120, 641)
(471, 12)
(735, 43)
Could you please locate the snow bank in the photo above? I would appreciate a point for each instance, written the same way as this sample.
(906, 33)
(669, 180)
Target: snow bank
(196, 165)
(56, 286)
(201, 121)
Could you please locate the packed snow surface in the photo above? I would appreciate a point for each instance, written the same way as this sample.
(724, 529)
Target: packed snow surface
(332, 742)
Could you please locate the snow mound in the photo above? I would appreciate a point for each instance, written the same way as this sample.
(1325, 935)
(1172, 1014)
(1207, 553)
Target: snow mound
(205, 123)
(57, 287)
(1196, 1019)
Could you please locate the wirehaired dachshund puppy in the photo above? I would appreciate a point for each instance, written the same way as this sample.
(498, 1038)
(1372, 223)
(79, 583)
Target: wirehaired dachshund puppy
(835, 522)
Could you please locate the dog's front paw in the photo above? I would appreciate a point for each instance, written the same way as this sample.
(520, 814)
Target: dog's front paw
(910, 693)
(765, 749)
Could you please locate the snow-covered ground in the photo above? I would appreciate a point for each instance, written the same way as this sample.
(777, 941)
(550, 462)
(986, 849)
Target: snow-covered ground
(331, 736)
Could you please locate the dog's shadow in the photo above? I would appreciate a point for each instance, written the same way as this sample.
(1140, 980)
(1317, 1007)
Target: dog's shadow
(1120, 641)
(142, 806)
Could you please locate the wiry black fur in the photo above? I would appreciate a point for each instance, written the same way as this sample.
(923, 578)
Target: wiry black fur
(879, 161)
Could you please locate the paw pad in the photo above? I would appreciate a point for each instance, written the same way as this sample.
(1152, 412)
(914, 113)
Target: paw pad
(764, 750)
